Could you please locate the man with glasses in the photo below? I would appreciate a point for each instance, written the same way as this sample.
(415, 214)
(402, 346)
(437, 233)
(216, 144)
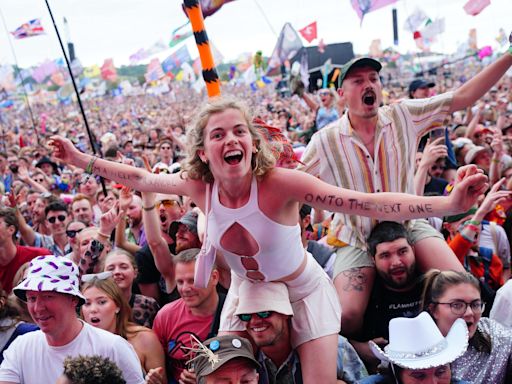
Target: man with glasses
(196, 313)
(72, 231)
(166, 162)
(12, 255)
(57, 218)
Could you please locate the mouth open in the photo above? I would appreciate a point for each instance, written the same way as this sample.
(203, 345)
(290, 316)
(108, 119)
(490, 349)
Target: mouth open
(163, 218)
(95, 320)
(369, 98)
(233, 157)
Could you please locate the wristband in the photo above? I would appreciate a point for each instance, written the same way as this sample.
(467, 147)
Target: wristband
(474, 222)
(103, 235)
(88, 169)
(496, 161)
(472, 227)
(150, 208)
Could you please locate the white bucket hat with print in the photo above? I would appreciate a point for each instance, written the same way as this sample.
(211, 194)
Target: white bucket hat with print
(51, 273)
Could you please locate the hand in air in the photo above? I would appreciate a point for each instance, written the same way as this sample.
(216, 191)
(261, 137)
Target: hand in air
(63, 149)
(470, 184)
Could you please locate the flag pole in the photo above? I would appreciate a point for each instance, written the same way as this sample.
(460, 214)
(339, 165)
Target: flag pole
(89, 133)
(18, 73)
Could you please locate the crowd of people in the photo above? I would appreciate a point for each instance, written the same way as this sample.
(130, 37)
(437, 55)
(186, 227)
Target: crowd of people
(358, 234)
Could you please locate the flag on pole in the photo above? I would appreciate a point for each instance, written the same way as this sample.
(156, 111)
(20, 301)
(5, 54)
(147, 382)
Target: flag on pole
(287, 46)
(108, 71)
(474, 7)
(362, 7)
(182, 33)
(154, 71)
(415, 20)
(309, 32)
(209, 7)
(29, 29)
(176, 59)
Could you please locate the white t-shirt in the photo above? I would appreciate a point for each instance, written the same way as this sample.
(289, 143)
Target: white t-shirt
(29, 359)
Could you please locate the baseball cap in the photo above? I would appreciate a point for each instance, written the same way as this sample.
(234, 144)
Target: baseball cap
(217, 351)
(474, 152)
(263, 296)
(51, 273)
(189, 219)
(420, 83)
(358, 63)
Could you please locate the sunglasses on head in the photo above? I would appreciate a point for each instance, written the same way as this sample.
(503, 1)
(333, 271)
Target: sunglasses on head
(248, 316)
(96, 276)
(73, 232)
(167, 203)
(53, 219)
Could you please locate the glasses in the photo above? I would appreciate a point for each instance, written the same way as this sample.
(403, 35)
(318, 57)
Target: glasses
(73, 232)
(436, 167)
(459, 307)
(39, 180)
(248, 316)
(53, 219)
(167, 203)
(165, 147)
(96, 276)
(325, 93)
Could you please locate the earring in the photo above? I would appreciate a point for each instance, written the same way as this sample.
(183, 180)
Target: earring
(117, 311)
(255, 150)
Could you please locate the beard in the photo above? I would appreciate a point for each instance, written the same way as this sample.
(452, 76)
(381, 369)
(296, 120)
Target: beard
(403, 282)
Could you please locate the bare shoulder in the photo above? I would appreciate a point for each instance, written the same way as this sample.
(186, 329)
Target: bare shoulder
(142, 338)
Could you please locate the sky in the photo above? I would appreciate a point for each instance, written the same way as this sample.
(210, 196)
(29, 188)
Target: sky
(116, 29)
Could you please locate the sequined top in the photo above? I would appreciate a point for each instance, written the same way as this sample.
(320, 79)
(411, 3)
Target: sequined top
(479, 367)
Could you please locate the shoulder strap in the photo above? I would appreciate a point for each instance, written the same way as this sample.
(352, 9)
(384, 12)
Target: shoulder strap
(216, 319)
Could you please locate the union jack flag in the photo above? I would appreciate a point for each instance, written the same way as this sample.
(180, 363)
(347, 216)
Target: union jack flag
(32, 28)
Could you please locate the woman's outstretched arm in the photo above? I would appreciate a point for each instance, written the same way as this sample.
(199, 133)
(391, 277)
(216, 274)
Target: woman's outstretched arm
(136, 178)
(307, 189)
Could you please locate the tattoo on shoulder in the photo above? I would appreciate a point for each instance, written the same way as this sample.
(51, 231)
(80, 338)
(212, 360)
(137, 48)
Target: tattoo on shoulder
(356, 279)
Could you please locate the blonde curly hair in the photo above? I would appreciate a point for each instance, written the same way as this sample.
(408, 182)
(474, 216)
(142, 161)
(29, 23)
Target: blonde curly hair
(193, 166)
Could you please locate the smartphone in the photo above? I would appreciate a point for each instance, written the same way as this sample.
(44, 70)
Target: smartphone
(437, 133)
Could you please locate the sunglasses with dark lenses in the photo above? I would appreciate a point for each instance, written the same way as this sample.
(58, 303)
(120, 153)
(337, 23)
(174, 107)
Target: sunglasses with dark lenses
(248, 316)
(53, 219)
(167, 203)
(73, 232)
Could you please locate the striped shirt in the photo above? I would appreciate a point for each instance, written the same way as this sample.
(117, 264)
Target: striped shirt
(337, 156)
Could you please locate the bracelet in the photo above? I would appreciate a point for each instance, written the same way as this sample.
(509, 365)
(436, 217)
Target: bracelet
(103, 235)
(88, 169)
(474, 222)
(150, 208)
(497, 161)
(472, 227)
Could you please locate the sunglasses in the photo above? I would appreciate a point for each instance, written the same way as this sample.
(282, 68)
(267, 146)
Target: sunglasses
(167, 203)
(246, 317)
(96, 276)
(53, 219)
(436, 167)
(39, 180)
(73, 232)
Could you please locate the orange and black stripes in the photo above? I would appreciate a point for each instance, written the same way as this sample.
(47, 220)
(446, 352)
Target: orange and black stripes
(210, 76)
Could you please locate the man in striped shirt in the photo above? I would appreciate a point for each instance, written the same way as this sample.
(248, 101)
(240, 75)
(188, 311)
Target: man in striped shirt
(372, 149)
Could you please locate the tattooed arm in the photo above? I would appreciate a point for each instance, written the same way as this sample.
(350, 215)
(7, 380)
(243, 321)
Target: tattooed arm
(136, 178)
(305, 188)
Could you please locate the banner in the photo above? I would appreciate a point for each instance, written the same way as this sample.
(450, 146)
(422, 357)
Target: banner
(180, 34)
(362, 7)
(154, 71)
(108, 71)
(474, 7)
(415, 20)
(176, 59)
(32, 28)
(309, 32)
(287, 46)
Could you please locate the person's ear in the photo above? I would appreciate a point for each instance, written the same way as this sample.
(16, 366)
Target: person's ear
(202, 156)
(340, 91)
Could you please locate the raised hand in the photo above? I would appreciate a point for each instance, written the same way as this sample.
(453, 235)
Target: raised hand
(125, 198)
(434, 150)
(469, 186)
(110, 219)
(63, 149)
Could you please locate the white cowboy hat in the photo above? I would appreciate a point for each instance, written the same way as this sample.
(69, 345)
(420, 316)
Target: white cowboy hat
(417, 343)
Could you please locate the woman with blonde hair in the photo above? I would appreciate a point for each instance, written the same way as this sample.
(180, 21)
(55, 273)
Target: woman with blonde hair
(106, 308)
(253, 220)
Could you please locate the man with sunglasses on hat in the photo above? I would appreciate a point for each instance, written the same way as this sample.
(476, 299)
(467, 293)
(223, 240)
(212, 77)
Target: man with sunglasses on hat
(369, 149)
(57, 219)
(266, 311)
(51, 291)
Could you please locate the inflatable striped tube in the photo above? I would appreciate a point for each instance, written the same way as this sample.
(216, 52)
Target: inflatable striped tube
(210, 76)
